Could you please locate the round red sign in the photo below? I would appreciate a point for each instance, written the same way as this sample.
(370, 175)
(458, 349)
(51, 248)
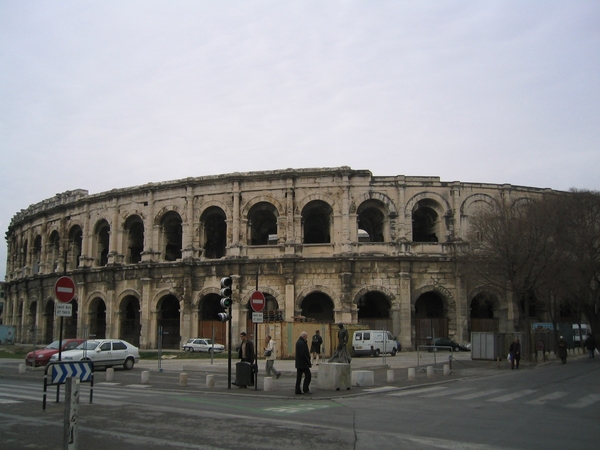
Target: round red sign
(64, 289)
(257, 301)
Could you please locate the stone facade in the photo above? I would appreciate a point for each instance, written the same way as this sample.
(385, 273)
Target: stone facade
(327, 245)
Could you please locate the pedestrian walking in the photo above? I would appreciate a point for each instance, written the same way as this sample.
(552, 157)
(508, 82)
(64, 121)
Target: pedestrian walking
(562, 350)
(315, 347)
(590, 345)
(303, 364)
(270, 353)
(246, 353)
(515, 353)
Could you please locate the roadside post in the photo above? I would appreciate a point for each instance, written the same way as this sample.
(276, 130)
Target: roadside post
(70, 430)
(257, 302)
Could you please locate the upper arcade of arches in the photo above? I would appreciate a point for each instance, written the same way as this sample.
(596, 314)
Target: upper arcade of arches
(255, 215)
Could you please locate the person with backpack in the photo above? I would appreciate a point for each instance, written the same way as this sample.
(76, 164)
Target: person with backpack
(315, 348)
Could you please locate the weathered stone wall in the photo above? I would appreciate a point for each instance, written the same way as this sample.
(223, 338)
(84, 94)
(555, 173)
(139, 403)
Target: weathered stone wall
(344, 269)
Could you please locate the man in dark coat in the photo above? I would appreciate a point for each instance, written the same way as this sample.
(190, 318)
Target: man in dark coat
(590, 345)
(515, 353)
(303, 364)
(562, 350)
(246, 353)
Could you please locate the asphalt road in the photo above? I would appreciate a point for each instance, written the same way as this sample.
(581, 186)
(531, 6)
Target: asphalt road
(479, 407)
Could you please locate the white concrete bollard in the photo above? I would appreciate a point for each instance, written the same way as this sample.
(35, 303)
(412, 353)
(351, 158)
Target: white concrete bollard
(390, 376)
(446, 370)
(210, 381)
(429, 371)
(22, 368)
(145, 377)
(411, 373)
(183, 379)
(268, 384)
(110, 374)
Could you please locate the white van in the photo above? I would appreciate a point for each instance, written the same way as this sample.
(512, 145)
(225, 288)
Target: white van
(373, 342)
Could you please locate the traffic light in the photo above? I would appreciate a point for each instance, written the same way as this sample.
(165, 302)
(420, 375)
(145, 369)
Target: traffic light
(226, 292)
(226, 283)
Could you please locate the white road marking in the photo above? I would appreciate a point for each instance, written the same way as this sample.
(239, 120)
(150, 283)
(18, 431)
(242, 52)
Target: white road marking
(417, 391)
(546, 398)
(478, 394)
(448, 392)
(585, 401)
(512, 396)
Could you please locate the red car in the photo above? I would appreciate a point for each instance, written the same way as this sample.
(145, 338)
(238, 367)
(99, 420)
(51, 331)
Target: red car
(42, 356)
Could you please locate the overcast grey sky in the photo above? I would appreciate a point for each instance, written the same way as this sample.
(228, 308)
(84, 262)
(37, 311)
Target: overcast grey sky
(108, 94)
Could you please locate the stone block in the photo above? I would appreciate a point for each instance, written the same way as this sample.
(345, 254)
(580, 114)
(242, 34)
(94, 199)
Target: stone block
(363, 378)
(334, 376)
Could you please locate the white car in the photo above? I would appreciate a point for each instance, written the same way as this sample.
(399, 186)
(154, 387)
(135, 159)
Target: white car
(203, 345)
(103, 353)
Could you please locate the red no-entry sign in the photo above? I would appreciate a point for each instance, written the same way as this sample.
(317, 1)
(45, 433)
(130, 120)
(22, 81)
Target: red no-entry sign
(257, 301)
(64, 289)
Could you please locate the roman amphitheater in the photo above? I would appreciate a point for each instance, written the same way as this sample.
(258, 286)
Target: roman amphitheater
(324, 246)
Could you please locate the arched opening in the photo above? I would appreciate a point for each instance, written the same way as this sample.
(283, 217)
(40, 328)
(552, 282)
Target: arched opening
(75, 246)
(134, 230)
(49, 321)
(426, 222)
(54, 250)
(169, 320)
(31, 320)
(37, 254)
(97, 314)
(374, 310)
(214, 229)
(262, 223)
(172, 230)
(371, 220)
(70, 323)
(482, 313)
(316, 220)
(430, 318)
(318, 306)
(208, 323)
(102, 240)
(130, 320)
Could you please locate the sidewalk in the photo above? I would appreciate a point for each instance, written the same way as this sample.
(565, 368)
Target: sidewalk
(197, 372)
(169, 376)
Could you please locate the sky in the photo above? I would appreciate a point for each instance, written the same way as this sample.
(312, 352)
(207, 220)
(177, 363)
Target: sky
(108, 94)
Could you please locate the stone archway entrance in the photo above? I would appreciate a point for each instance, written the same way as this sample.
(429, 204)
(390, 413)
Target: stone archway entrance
(374, 311)
(130, 320)
(169, 320)
(97, 313)
(430, 318)
(318, 306)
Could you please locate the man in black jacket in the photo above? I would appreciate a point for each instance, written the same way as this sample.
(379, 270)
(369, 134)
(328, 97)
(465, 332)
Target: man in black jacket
(303, 364)
(246, 353)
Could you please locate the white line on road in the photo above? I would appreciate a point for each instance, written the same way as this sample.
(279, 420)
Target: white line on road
(585, 401)
(546, 398)
(448, 392)
(417, 391)
(478, 394)
(512, 396)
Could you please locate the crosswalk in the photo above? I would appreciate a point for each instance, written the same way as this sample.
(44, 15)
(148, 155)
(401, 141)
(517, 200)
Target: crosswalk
(102, 394)
(528, 396)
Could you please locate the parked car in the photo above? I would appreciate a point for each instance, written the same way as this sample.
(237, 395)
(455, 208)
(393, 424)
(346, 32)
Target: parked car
(446, 344)
(104, 353)
(203, 345)
(42, 356)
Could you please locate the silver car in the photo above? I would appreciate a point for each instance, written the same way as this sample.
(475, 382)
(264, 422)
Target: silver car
(203, 345)
(103, 353)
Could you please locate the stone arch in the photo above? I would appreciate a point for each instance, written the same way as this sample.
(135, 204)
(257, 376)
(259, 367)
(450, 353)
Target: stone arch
(97, 317)
(129, 317)
(159, 217)
(262, 220)
(374, 307)
(372, 222)
(317, 196)
(168, 317)
(433, 309)
(318, 303)
(431, 217)
(48, 318)
(134, 235)
(383, 198)
(469, 203)
(171, 234)
(213, 231)
(260, 199)
(101, 241)
(317, 222)
(75, 238)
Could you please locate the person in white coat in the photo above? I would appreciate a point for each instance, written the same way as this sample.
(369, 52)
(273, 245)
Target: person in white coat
(270, 353)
